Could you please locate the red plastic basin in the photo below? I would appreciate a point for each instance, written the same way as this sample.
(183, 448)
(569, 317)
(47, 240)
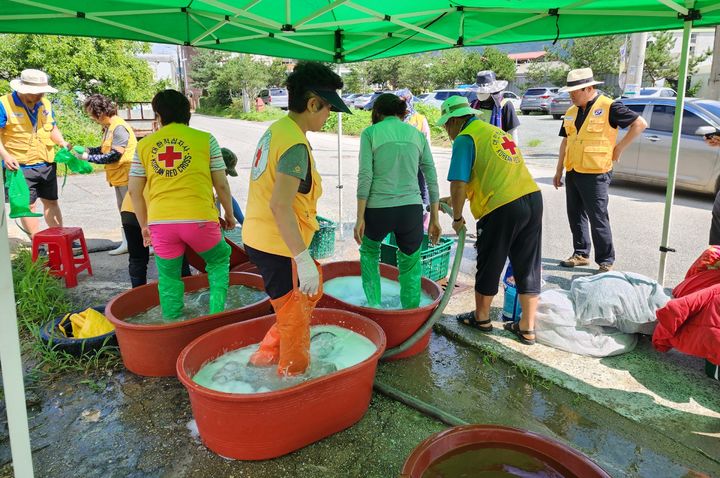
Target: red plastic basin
(568, 461)
(248, 267)
(267, 425)
(398, 325)
(237, 257)
(151, 350)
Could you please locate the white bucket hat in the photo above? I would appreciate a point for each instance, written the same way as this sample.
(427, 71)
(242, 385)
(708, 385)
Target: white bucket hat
(487, 84)
(32, 82)
(580, 78)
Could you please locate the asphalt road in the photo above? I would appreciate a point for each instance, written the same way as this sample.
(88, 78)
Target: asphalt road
(636, 212)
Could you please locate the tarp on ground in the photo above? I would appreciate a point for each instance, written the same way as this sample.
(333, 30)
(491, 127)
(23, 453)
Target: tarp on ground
(348, 30)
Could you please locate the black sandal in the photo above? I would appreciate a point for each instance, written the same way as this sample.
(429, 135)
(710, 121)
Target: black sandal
(514, 327)
(468, 318)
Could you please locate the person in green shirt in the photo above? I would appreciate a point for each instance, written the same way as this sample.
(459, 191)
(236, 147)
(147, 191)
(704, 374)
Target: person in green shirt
(389, 200)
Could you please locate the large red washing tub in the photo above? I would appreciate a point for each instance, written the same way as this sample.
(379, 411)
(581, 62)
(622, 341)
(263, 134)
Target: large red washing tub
(455, 441)
(398, 325)
(238, 256)
(267, 425)
(151, 350)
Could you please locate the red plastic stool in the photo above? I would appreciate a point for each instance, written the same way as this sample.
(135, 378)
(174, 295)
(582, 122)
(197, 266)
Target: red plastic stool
(61, 260)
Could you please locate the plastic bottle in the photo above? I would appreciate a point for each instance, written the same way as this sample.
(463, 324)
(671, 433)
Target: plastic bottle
(511, 305)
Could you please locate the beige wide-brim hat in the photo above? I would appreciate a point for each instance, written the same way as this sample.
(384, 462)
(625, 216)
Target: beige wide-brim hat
(580, 78)
(32, 82)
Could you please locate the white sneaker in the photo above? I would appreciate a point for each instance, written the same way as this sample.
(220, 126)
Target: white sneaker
(121, 249)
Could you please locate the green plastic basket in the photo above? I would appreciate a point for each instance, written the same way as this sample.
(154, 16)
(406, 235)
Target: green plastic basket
(323, 243)
(435, 259)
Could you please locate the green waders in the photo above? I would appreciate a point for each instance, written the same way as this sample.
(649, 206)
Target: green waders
(217, 266)
(370, 270)
(410, 279)
(171, 288)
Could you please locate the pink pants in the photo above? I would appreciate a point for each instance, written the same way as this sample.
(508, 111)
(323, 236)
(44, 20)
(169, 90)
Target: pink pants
(169, 240)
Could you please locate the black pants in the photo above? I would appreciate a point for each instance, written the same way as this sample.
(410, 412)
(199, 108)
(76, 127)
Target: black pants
(405, 221)
(275, 270)
(138, 254)
(715, 224)
(587, 202)
(515, 231)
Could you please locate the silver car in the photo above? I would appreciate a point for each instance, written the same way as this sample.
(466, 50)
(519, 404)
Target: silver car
(537, 99)
(277, 97)
(560, 104)
(646, 159)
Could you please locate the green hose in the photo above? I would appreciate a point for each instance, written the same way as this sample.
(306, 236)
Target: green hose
(419, 405)
(437, 313)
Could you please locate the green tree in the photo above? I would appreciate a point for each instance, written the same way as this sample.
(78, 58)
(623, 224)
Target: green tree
(85, 65)
(277, 73)
(661, 64)
(445, 71)
(205, 66)
(539, 73)
(355, 81)
(242, 77)
(414, 73)
(384, 72)
(601, 53)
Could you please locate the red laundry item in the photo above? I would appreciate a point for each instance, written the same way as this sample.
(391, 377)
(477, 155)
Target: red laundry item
(709, 259)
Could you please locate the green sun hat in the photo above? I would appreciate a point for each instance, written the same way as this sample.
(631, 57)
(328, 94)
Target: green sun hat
(453, 107)
(230, 161)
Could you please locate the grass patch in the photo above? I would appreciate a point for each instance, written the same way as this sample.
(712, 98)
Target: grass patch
(534, 143)
(235, 112)
(39, 298)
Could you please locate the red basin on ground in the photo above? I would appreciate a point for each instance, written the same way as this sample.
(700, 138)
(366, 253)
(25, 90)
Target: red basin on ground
(248, 267)
(267, 425)
(398, 325)
(567, 461)
(151, 350)
(237, 257)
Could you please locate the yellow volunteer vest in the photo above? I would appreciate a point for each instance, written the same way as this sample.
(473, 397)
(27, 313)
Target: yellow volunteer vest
(499, 174)
(179, 186)
(27, 143)
(259, 229)
(127, 205)
(416, 121)
(590, 150)
(117, 173)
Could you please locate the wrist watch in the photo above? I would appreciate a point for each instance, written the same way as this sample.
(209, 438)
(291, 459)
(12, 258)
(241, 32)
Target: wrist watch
(457, 219)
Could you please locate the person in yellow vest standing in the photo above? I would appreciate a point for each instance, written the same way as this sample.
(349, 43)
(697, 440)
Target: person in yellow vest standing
(280, 218)
(488, 169)
(180, 166)
(588, 152)
(115, 152)
(28, 133)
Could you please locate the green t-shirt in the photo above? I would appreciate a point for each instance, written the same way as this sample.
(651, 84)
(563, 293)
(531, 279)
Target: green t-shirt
(295, 162)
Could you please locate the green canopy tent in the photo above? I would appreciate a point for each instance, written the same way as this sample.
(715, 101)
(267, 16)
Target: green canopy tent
(334, 31)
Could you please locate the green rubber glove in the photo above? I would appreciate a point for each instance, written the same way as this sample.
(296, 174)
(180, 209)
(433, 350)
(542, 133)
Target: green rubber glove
(370, 270)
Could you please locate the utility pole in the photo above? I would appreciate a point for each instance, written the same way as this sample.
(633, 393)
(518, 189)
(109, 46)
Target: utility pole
(636, 62)
(714, 80)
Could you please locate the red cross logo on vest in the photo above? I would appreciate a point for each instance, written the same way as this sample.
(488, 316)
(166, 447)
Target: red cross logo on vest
(258, 155)
(169, 157)
(509, 145)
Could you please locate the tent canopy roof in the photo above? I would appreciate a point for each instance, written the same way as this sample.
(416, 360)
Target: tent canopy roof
(348, 30)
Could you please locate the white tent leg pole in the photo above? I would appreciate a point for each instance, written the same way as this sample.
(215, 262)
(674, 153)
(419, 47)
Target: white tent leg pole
(340, 180)
(675, 149)
(12, 373)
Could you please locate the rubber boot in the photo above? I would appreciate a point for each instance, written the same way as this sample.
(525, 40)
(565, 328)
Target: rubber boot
(171, 288)
(122, 248)
(217, 266)
(268, 353)
(370, 270)
(410, 279)
(293, 323)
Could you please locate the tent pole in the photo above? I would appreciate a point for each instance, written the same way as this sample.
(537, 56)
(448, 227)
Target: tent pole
(12, 372)
(340, 180)
(675, 148)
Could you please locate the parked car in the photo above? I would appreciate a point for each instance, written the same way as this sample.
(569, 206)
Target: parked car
(369, 105)
(654, 91)
(646, 159)
(277, 97)
(537, 99)
(512, 98)
(422, 96)
(560, 104)
(361, 101)
(349, 98)
(437, 97)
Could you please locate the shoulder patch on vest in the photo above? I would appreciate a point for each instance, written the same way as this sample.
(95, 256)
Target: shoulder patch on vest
(260, 159)
(598, 112)
(505, 148)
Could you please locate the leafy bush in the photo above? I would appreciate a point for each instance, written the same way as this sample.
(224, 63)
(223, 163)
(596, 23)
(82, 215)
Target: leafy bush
(437, 133)
(352, 124)
(76, 126)
(39, 295)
